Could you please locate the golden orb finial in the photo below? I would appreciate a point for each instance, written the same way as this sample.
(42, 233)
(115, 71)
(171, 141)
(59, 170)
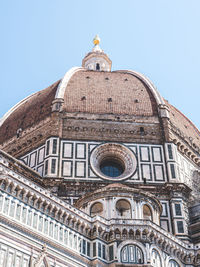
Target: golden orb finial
(96, 40)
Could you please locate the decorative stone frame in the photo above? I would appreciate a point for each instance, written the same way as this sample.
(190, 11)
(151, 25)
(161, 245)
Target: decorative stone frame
(93, 204)
(171, 258)
(150, 209)
(154, 247)
(132, 242)
(118, 152)
(128, 202)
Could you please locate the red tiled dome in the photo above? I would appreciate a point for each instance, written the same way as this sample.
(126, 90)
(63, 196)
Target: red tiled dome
(31, 111)
(109, 92)
(98, 92)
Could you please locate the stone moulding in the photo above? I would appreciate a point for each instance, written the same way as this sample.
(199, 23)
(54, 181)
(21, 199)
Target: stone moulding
(114, 150)
(129, 229)
(64, 82)
(97, 227)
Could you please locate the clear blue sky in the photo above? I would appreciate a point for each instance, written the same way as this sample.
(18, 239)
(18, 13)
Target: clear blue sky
(42, 39)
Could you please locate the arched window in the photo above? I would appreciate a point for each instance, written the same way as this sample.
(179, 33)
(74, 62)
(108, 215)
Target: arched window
(97, 66)
(96, 209)
(132, 254)
(173, 263)
(123, 208)
(156, 259)
(147, 214)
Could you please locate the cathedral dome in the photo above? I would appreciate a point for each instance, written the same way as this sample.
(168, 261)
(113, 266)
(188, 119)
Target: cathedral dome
(95, 93)
(103, 170)
(117, 95)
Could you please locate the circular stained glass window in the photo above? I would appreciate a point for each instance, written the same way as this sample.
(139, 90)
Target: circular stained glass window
(111, 168)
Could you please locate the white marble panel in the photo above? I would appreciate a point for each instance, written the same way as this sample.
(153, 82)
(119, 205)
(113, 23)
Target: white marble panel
(67, 150)
(25, 160)
(92, 147)
(164, 209)
(156, 154)
(146, 171)
(80, 151)
(144, 153)
(133, 148)
(41, 155)
(67, 168)
(158, 172)
(92, 174)
(32, 159)
(135, 176)
(80, 169)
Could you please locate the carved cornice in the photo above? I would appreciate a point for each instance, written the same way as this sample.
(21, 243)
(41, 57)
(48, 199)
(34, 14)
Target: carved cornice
(193, 152)
(122, 190)
(94, 227)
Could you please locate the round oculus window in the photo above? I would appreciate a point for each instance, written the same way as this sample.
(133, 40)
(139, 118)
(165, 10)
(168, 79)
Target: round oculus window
(111, 167)
(113, 161)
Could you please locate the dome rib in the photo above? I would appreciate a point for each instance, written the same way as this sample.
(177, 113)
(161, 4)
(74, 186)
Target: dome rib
(64, 82)
(159, 99)
(15, 107)
(185, 127)
(27, 112)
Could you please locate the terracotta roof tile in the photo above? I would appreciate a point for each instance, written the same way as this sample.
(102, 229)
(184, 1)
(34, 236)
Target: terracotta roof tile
(184, 125)
(109, 92)
(35, 109)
